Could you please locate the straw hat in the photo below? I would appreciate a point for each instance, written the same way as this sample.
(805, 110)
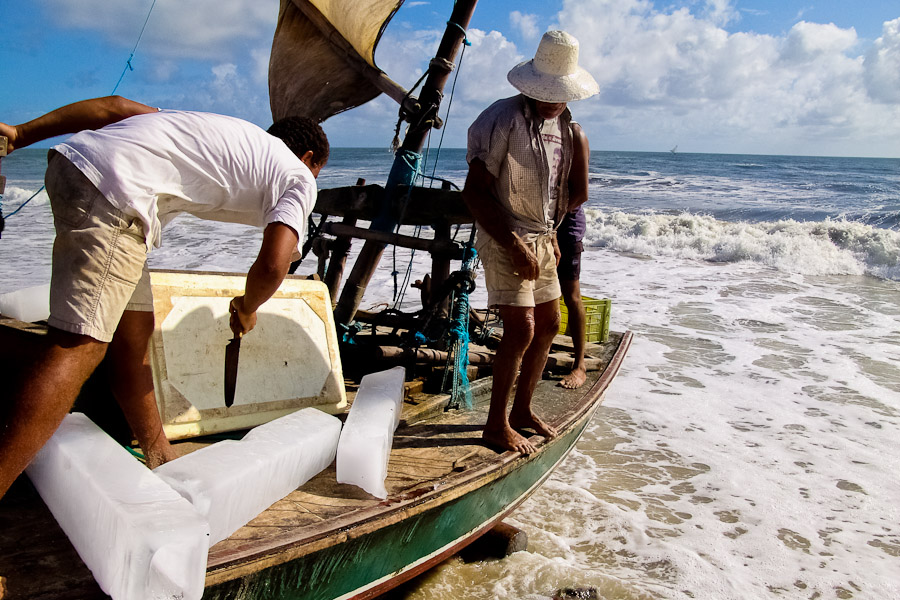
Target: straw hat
(553, 75)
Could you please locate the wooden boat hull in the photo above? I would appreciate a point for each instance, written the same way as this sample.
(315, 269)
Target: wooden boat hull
(420, 527)
(420, 536)
(328, 540)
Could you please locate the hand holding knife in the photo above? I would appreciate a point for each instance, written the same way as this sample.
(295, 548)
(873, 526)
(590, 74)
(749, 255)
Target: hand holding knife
(240, 324)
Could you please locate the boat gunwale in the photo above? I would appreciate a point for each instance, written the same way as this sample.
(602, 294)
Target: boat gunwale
(255, 556)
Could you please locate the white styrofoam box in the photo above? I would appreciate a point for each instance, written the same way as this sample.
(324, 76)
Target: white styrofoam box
(368, 433)
(291, 359)
(231, 482)
(138, 536)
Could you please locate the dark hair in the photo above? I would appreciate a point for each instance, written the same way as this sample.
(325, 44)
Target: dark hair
(302, 134)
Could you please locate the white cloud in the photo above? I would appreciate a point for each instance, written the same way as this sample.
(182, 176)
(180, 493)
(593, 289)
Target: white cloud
(674, 76)
(260, 58)
(882, 65)
(201, 29)
(721, 12)
(526, 24)
(807, 42)
(669, 73)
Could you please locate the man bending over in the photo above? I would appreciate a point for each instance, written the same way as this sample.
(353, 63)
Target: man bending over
(113, 186)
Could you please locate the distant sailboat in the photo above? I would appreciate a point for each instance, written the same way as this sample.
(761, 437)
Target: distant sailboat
(674, 149)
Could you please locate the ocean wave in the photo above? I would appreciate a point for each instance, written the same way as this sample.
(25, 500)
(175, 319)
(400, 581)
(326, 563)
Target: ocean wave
(829, 247)
(15, 195)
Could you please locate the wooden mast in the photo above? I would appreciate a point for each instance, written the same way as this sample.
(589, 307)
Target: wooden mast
(421, 122)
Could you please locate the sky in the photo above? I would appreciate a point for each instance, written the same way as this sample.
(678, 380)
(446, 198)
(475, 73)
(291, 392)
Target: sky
(815, 77)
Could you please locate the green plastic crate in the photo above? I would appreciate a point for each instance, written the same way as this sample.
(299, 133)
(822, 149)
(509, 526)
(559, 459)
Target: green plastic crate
(596, 322)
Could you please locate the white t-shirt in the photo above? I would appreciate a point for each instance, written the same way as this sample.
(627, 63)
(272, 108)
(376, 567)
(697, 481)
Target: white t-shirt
(155, 165)
(551, 137)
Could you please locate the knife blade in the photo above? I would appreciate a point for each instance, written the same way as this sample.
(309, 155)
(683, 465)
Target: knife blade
(232, 353)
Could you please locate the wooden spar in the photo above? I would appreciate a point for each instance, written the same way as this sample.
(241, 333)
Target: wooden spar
(426, 206)
(440, 245)
(429, 355)
(340, 250)
(420, 124)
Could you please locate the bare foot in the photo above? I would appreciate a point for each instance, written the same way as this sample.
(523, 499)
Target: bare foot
(574, 380)
(509, 440)
(532, 421)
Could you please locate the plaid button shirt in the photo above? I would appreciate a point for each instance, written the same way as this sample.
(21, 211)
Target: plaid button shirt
(507, 138)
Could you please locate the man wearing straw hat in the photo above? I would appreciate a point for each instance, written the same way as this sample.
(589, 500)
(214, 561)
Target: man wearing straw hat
(526, 171)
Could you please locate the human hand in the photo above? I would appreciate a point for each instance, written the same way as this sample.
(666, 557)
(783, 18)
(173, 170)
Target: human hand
(240, 321)
(556, 251)
(11, 134)
(525, 260)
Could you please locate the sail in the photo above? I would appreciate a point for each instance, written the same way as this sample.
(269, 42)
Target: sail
(323, 55)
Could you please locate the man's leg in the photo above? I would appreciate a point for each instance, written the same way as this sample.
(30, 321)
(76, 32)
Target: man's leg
(45, 393)
(571, 290)
(132, 383)
(518, 331)
(546, 324)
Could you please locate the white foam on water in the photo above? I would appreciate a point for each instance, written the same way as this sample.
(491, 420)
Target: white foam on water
(747, 449)
(829, 247)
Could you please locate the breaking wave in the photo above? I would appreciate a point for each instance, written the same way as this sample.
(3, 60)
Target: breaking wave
(829, 247)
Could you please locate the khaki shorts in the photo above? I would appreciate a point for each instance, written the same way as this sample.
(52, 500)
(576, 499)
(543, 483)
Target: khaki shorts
(99, 256)
(506, 288)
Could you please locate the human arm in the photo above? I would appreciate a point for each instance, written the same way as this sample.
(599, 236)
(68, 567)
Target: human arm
(264, 277)
(481, 202)
(578, 175)
(72, 118)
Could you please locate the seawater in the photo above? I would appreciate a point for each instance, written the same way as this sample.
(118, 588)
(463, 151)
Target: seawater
(748, 448)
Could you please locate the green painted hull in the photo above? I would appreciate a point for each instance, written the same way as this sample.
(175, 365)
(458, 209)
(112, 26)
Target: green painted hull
(366, 565)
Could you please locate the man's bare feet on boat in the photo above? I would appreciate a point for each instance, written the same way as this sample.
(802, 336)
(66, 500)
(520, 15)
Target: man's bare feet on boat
(574, 380)
(508, 439)
(532, 421)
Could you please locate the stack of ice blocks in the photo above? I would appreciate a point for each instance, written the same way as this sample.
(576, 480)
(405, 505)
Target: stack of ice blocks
(231, 482)
(365, 446)
(138, 537)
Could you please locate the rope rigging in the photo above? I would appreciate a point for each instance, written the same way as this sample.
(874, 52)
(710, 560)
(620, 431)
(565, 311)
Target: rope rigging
(458, 333)
(400, 290)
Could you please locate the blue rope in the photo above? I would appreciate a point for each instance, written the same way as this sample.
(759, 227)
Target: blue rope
(406, 172)
(461, 394)
(128, 66)
(464, 32)
(21, 206)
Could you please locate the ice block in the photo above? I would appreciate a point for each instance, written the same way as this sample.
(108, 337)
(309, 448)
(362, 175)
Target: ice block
(365, 445)
(27, 304)
(138, 537)
(230, 482)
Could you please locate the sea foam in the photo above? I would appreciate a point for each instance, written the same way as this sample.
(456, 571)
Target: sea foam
(830, 247)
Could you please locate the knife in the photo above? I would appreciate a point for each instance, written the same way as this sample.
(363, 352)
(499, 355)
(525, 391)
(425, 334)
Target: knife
(232, 352)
